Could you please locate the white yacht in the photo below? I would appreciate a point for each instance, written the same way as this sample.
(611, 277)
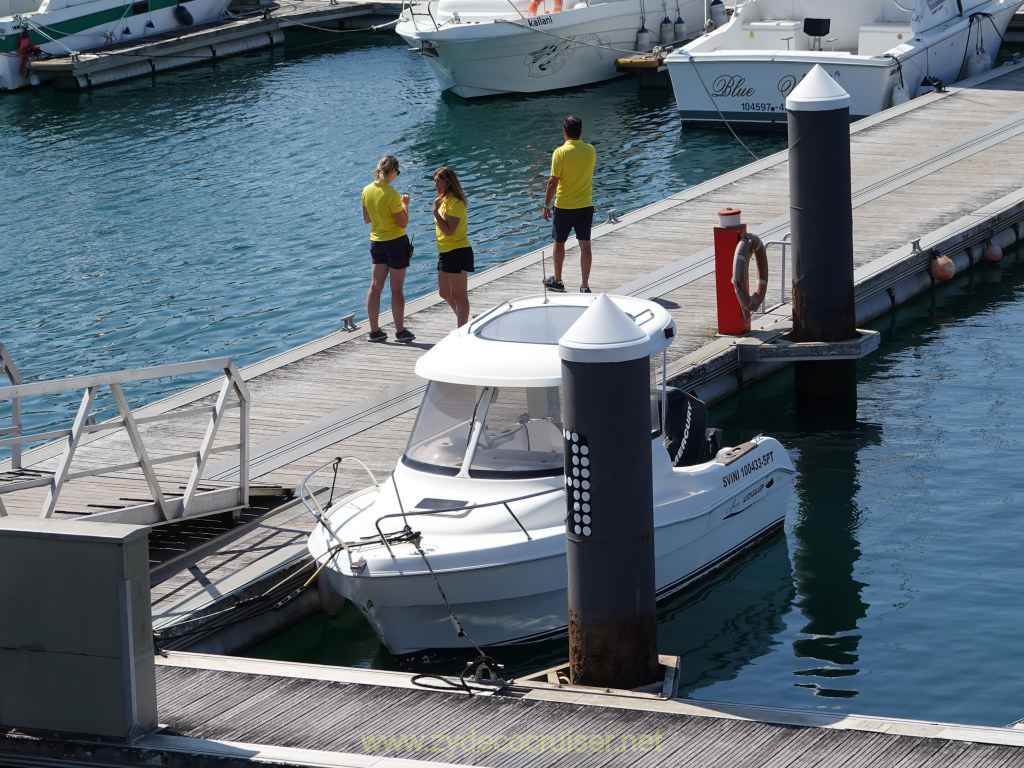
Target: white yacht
(468, 535)
(69, 27)
(486, 47)
(881, 52)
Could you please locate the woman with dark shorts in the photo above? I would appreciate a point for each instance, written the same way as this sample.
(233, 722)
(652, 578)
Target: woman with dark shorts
(388, 213)
(455, 260)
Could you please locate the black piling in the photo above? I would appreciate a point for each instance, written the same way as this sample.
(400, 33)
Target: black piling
(821, 212)
(613, 626)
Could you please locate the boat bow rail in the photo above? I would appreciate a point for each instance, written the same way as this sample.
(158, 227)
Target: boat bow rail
(319, 512)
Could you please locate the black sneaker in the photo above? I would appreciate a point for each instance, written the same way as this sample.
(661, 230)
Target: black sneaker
(405, 336)
(584, 289)
(376, 336)
(554, 285)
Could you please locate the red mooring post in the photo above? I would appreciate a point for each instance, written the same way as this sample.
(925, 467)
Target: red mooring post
(732, 320)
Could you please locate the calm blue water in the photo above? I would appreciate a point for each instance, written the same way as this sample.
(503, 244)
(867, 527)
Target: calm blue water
(214, 211)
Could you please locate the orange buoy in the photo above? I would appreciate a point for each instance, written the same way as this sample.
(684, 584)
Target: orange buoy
(531, 9)
(992, 252)
(941, 267)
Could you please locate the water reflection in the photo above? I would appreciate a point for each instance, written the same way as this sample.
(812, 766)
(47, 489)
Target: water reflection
(728, 620)
(825, 554)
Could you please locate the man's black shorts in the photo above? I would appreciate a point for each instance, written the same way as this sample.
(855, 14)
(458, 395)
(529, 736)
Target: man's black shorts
(567, 219)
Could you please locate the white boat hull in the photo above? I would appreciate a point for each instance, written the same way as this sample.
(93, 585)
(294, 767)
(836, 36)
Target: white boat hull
(90, 25)
(507, 589)
(547, 52)
(743, 72)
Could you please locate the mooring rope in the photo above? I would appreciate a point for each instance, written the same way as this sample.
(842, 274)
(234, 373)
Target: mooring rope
(696, 71)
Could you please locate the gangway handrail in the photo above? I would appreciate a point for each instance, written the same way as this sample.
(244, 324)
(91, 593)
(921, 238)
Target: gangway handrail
(10, 370)
(84, 424)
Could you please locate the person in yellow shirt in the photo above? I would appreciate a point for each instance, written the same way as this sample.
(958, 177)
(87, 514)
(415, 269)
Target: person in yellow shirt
(455, 255)
(570, 188)
(388, 213)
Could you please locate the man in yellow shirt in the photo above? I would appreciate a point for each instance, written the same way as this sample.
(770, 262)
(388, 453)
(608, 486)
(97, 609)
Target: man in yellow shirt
(570, 188)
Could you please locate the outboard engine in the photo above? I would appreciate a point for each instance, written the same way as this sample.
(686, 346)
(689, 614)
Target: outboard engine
(687, 438)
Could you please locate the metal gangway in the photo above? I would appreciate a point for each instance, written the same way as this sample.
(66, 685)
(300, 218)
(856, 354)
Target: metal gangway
(125, 451)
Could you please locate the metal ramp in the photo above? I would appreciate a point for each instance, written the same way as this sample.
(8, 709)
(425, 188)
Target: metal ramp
(137, 459)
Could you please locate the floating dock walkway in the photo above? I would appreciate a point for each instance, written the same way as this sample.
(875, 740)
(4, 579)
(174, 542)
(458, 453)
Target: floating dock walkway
(231, 713)
(936, 172)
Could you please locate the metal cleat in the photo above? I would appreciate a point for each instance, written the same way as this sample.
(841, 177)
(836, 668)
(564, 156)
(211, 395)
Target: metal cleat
(348, 324)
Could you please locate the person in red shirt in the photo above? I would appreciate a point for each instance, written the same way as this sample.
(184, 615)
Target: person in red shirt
(26, 50)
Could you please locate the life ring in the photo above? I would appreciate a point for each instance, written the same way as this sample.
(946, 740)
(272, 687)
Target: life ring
(746, 244)
(531, 9)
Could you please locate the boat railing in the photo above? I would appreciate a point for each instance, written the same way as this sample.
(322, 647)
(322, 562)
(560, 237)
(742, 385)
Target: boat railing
(467, 508)
(139, 428)
(411, 5)
(784, 244)
(319, 511)
(309, 497)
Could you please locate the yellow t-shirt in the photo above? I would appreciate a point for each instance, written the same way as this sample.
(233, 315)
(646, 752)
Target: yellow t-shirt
(573, 164)
(457, 239)
(382, 202)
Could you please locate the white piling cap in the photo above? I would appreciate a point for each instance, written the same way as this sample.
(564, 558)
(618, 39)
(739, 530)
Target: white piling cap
(729, 217)
(604, 334)
(817, 92)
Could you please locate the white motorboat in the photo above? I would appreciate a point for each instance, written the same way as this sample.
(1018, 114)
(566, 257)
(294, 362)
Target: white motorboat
(68, 27)
(486, 47)
(881, 52)
(469, 532)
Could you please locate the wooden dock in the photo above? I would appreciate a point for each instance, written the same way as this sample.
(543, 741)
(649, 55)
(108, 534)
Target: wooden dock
(936, 172)
(224, 712)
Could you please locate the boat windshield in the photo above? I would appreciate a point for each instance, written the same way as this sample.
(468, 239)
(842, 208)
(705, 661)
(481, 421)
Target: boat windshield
(487, 432)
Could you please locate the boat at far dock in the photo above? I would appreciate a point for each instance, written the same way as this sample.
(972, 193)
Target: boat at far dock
(487, 47)
(70, 27)
(881, 52)
(467, 538)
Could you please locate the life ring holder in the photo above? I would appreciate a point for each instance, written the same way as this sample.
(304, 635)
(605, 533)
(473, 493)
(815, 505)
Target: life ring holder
(750, 243)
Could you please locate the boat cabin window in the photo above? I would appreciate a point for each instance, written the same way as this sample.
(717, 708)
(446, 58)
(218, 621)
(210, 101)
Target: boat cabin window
(487, 432)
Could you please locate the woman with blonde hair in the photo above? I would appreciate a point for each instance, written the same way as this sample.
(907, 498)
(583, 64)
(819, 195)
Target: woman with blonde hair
(455, 256)
(388, 213)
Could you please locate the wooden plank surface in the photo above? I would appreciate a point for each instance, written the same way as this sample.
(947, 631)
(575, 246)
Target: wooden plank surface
(336, 716)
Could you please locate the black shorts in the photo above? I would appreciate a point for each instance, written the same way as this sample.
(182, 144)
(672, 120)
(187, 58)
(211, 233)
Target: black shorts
(567, 219)
(394, 253)
(456, 261)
